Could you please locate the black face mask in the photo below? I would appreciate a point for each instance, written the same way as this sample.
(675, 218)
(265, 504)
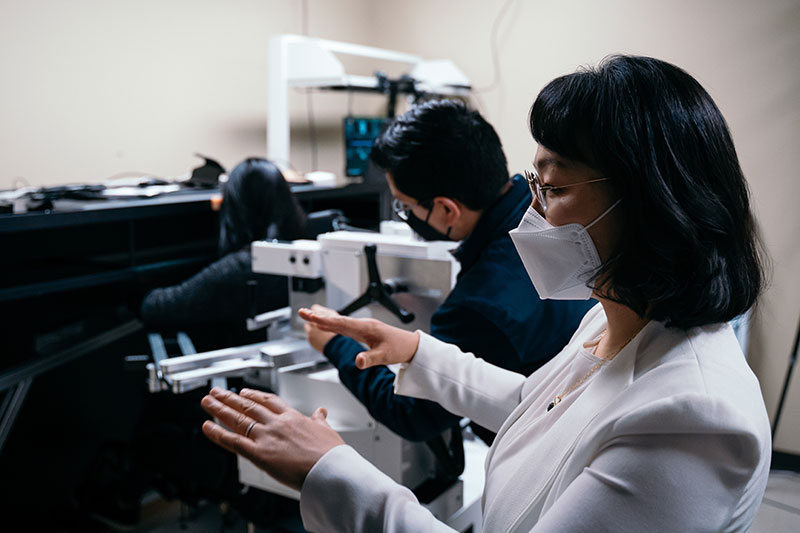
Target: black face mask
(425, 230)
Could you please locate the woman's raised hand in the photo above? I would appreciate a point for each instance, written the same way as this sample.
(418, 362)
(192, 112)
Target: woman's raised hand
(262, 428)
(387, 344)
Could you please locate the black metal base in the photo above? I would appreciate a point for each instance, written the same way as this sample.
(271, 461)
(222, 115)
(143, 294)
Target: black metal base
(785, 461)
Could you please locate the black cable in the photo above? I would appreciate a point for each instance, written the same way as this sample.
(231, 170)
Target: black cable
(792, 361)
(494, 48)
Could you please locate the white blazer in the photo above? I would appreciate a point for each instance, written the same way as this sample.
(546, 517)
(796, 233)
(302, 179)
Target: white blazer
(671, 435)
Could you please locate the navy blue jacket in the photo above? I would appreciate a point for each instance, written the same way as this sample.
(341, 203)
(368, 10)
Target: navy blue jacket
(493, 311)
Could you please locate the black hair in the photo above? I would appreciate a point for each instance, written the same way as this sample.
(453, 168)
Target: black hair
(690, 254)
(258, 204)
(442, 148)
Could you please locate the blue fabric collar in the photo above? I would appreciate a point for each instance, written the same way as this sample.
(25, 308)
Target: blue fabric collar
(497, 220)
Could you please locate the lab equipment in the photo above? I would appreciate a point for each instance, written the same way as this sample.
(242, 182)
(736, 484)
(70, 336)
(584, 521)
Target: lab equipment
(408, 279)
(359, 134)
(309, 62)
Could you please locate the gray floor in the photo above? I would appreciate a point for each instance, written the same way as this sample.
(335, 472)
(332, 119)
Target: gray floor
(779, 513)
(780, 508)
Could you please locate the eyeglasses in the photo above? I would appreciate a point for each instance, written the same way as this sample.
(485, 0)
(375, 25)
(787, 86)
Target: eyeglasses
(540, 190)
(402, 209)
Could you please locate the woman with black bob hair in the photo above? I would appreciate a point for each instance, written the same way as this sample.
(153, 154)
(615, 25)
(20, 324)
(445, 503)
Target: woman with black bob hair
(214, 303)
(688, 255)
(650, 418)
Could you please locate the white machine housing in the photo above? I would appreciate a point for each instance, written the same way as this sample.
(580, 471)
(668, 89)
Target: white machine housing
(428, 271)
(301, 61)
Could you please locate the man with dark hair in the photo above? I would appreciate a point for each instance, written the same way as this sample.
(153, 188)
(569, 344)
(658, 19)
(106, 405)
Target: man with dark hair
(448, 174)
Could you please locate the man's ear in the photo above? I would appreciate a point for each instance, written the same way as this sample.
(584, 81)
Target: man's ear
(452, 209)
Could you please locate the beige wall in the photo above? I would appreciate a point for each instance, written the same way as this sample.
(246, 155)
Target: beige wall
(94, 88)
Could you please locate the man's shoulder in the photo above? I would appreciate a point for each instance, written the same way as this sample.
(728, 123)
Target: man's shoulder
(497, 264)
(496, 286)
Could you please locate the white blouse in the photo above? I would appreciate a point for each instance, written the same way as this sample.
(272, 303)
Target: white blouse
(535, 421)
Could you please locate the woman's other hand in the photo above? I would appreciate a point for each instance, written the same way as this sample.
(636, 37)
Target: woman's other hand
(318, 337)
(387, 345)
(263, 429)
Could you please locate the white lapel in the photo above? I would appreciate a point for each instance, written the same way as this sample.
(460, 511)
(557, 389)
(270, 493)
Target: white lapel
(543, 464)
(551, 369)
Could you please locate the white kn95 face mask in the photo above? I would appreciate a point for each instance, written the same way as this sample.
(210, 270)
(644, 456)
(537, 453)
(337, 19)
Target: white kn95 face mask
(560, 260)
